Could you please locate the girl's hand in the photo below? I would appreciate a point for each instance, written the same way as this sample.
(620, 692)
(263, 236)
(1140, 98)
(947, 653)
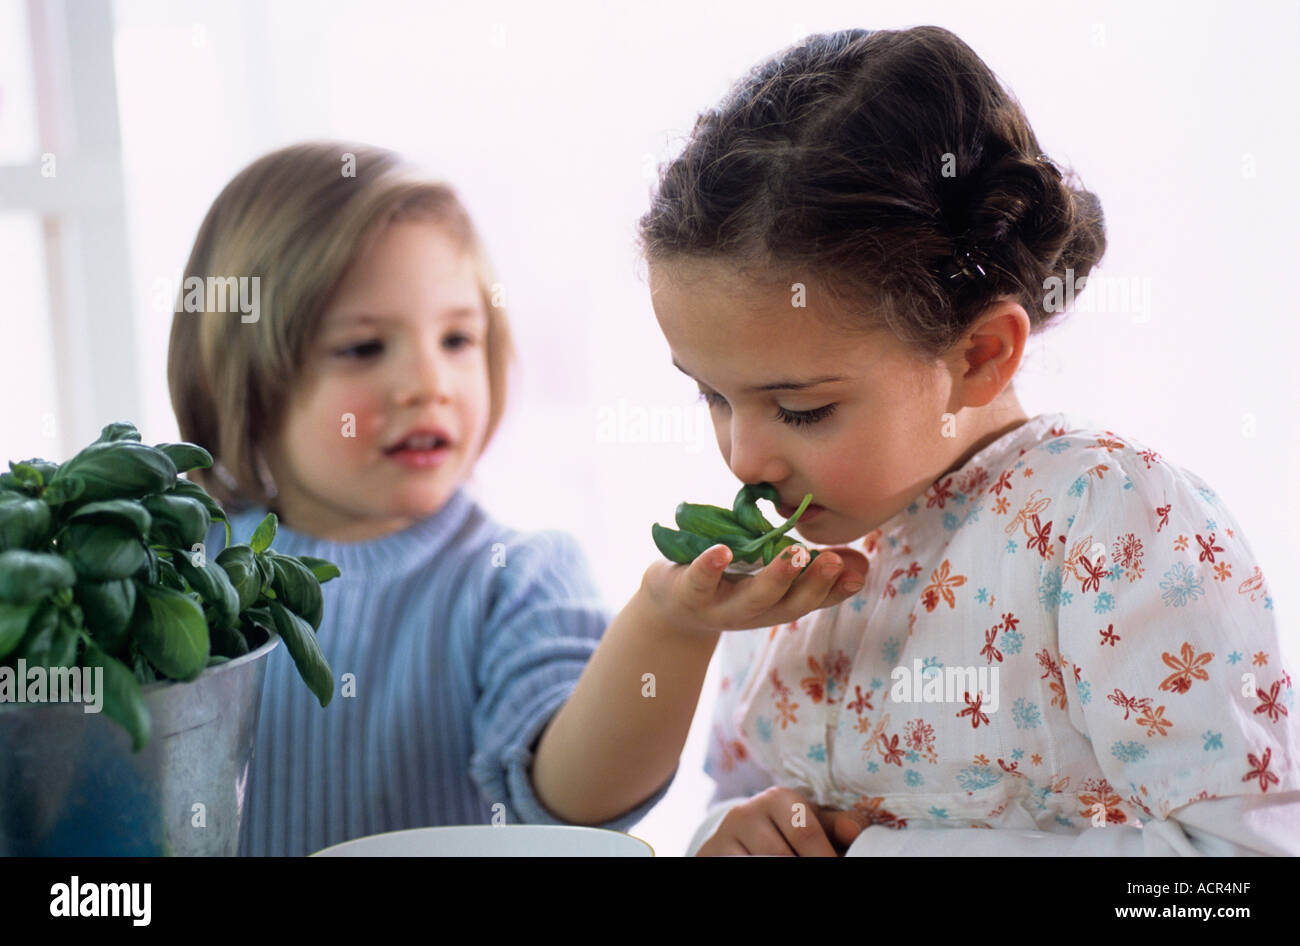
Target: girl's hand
(770, 823)
(695, 597)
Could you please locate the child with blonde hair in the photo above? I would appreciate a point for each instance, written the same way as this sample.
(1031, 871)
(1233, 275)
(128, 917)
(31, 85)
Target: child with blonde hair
(353, 401)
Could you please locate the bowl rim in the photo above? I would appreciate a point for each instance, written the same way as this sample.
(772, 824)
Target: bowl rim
(461, 827)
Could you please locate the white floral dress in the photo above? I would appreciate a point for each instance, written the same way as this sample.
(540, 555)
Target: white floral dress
(1068, 632)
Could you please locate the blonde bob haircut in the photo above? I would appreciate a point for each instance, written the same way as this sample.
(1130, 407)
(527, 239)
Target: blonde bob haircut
(297, 218)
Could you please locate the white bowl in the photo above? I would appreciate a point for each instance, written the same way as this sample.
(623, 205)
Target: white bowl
(520, 840)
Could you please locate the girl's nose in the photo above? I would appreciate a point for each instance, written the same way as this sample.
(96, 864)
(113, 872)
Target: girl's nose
(754, 459)
(424, 379)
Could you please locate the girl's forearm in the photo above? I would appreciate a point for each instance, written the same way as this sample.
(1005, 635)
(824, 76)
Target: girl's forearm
(621, 732)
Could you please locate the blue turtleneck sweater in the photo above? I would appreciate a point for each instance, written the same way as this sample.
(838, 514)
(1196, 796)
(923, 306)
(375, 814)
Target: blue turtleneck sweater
(458, 639)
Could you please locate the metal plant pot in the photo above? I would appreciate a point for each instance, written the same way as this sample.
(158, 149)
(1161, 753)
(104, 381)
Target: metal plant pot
(71, 786)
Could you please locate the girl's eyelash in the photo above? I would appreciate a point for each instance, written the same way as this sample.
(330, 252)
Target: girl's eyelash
(355, 351)
(374, 346)
(800, 418)
(793, 418)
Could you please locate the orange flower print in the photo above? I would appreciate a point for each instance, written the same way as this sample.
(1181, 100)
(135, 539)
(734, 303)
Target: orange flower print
(1097, 797)
(942, 583)
(1001, 506)
(1086, 572)
(1190, 667)
(871, 541)
(786, 710)
(1180, 544)
(1222, 571)
(867, 811)
(825, 679)
(1253, 585)
(731, 750)
(1056, 685)
(1154, 721)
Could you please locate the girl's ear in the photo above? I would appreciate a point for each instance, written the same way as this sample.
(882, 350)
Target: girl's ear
(991, 351)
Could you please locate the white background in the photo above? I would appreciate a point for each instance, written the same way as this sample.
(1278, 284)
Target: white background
(549, 120)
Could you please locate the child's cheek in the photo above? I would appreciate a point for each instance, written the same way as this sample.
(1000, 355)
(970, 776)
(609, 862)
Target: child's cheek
(357, 419)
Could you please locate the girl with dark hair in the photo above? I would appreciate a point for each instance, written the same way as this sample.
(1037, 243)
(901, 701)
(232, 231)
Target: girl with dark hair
(1061, 636)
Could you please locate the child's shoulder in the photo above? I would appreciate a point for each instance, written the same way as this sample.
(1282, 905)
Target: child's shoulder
(1085, 457)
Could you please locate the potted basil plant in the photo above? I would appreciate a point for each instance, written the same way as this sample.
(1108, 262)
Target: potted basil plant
(131, 662)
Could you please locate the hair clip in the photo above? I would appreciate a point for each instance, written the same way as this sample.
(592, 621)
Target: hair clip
(1050, 164)
(964, 266)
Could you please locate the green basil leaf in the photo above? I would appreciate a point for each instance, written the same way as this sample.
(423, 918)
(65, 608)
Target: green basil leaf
(171, 632)
(52, 638)
(707, 521)
(193, 490)
(680, 547)
(28, 576)
(323, 569)
(178, 521)
(124, 512)
(240, 565)
(121, 469)
(148, 573)
(28, 477)
(168, 576)
(32, 485)
(120, 430)
(297, 588)
(267, 573)
(63, 490)
(24, 523)
(214, 586)
(14, 622)
(107, 606)
(102, 551)
(186, 456)
(228, 641)
(305, 650)
(264, 534)
(123, 700)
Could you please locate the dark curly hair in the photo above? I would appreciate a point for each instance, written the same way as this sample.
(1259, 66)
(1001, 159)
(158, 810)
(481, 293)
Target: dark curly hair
(863, 161)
